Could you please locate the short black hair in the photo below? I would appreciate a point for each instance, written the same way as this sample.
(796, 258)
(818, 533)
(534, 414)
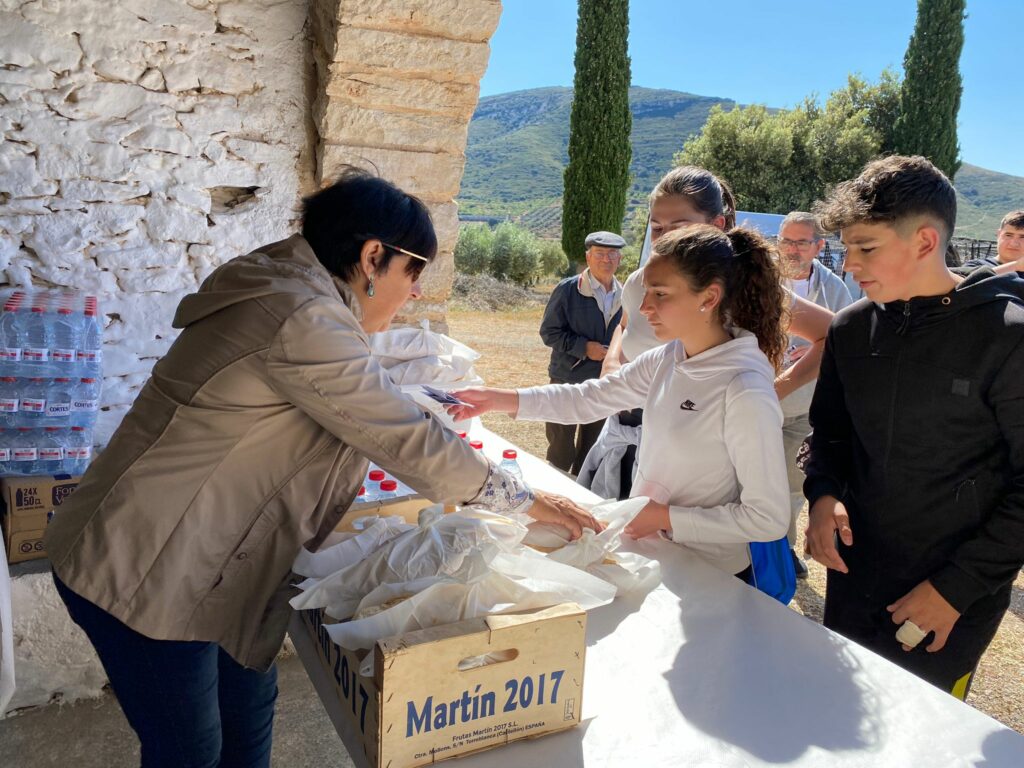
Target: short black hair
(889, 191)
(358, 206)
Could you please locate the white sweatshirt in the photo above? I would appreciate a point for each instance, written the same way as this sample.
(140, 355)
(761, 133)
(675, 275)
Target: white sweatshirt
(712, 447)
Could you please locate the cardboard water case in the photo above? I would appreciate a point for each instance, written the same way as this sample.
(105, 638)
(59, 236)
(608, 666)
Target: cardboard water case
(459, 688)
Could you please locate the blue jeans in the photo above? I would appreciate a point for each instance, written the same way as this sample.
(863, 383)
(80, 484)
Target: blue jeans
(191, 705)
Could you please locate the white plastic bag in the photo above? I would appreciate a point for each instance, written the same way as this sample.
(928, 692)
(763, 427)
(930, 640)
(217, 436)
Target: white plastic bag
(437, 547)
(598, 553)
(376, 531)
(400, 344)
(478, 589)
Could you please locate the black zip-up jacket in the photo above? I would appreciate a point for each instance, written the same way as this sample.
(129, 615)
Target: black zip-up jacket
(918, 420)
(571, 319)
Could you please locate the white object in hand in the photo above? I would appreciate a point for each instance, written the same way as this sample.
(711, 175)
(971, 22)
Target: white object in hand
(910, 634)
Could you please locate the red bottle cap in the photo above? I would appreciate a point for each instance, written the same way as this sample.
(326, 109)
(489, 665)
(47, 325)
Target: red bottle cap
(508, 453)
(477, 444)
(377, 475)
(388, 485)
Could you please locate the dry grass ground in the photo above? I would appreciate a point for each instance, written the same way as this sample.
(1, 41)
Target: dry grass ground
(513, 355)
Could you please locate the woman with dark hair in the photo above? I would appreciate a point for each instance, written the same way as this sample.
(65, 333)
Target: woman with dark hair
(249, 441)
(711, 459)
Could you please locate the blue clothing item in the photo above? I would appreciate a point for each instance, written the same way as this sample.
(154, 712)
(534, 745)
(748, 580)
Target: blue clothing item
(772, 569)
(571, 319)
(191, 705)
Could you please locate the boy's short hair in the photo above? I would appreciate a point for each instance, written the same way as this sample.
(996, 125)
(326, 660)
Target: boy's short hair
(1013, 219)
(889, 191)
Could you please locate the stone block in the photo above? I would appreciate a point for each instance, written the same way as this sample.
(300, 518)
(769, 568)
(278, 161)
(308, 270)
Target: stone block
(346, 123)
(401, 55)
(381, 90)
(156, 280)
(24, 44)
(160, 138)
(432, 176)
(446, 224)
(167, 220)
(468, 20)
(87, 190)
(436, 281)
(140, 253)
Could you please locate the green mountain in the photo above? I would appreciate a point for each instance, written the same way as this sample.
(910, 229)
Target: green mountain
(517, 151)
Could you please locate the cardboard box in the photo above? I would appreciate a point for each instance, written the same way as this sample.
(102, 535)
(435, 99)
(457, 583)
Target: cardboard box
(407, 507)
(28, 502)
(420, 707)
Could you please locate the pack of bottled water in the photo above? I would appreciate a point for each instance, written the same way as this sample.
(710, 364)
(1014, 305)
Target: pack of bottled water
(51, 372)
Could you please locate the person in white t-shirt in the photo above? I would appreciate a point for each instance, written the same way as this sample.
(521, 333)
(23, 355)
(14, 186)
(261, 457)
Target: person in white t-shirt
(711, 460)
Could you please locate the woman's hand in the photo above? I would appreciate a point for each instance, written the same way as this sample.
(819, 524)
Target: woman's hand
(650, 520)
(826, 518)
(551, 508)
(480, 400)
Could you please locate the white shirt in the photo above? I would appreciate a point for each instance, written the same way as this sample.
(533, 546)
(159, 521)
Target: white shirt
(638, 336)
(605, 298)
(712, 447)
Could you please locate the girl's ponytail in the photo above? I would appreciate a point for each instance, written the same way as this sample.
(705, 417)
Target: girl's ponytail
(754, 298)
(728, 205)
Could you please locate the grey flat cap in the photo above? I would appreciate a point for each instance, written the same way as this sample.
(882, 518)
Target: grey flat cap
(605, 240)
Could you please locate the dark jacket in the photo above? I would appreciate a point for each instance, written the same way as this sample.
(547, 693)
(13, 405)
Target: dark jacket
(918, 422)
(571, 319)
(972, 264)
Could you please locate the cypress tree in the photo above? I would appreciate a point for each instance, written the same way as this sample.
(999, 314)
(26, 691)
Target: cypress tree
(597, 176)
(930, 96)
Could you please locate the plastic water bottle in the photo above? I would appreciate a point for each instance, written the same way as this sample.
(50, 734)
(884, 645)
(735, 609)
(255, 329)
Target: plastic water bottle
(12, 339)
(10, 401)
(90, 353)
(5, 452)
(78, 451)
(67, 337)
(38, 335)
(509, 463)
(373, 481)
(33, 403)
(23, 452)
(58, 403)
(85, 403)
(388, 490)
(50, 447)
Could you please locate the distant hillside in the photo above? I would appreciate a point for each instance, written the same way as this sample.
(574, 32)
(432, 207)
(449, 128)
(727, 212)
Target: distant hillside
(517, 151)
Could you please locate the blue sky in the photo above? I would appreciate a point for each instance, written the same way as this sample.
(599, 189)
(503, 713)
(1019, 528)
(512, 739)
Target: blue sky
(777, 52)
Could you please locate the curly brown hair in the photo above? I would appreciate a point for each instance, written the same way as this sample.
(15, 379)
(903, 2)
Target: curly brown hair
(745, 264)
(889, 191)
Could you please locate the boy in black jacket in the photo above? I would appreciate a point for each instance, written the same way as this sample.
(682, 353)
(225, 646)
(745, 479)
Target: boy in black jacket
(915, 478)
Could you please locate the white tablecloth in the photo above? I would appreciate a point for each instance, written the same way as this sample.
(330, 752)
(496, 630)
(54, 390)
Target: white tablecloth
(705, 671)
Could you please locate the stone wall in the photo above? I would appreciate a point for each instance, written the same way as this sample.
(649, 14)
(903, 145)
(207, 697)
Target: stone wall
(144, 142)
(398, 83)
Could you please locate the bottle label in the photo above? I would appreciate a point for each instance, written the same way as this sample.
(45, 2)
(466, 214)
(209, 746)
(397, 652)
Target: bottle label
(35, 355)
(33, 405)
(23, 454)
(78, 452)
(51, 453)
(86, 406)
(62, 355)
(5, 454)
(90, 355)
(9, 404)
(58, 409)
(10, 354)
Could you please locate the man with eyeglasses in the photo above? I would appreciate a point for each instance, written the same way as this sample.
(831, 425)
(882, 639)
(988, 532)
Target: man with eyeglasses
(579, 319)
(800, 241)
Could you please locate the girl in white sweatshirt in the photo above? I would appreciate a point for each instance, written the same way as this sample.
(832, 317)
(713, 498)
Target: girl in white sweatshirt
(711, 460)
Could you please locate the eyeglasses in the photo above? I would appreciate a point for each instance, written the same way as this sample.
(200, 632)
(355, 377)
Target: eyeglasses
(606, 255)
(785, 242)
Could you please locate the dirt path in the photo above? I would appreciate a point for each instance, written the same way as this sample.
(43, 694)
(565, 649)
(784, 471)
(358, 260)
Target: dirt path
(513, 355)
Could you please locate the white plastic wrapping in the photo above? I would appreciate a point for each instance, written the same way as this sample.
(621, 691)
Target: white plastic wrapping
(376, 531)
(437, 547)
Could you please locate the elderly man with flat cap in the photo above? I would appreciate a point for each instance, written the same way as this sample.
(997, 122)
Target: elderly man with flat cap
(578, 323)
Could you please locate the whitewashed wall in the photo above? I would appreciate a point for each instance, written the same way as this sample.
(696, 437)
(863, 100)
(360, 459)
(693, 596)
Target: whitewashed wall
(144, 142)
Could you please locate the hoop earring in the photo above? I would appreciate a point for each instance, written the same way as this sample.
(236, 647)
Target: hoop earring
(370, 291)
